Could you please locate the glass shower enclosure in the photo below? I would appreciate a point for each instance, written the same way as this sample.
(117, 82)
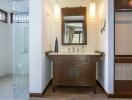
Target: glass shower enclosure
(18, 78)
(20, 21)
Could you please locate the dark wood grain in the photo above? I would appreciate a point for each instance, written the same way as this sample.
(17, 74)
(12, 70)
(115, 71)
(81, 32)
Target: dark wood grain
(123, 5)
(74, 70)
(74, 11)
(123, 89)
(123, 58)
(123, 86)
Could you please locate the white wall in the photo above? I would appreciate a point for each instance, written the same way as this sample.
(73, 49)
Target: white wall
(5, 5)
(106, 44)
(4, 48)
(35, 46)
(39, 27)
(46, 24)
(91, 25)
(5, 42)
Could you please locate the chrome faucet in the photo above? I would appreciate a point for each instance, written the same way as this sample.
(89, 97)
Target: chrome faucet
(73, 49)
(78, 50)
(82, 49)
(69, 50)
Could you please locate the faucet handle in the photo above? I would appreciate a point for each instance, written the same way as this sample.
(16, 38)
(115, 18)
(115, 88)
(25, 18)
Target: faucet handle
(83, 49)
(78, 49)
(73, 49)
(69, 49)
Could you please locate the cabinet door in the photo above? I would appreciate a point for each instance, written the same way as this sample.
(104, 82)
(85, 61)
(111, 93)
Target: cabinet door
(64, 74)
(123, 5)
(82, 74)
(85, 74)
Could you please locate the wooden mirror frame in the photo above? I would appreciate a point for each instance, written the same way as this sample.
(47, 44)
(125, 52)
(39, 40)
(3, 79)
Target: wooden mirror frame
(74, 11)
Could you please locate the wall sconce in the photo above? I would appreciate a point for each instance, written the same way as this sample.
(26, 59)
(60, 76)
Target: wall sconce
(103, 25)
(57, 12)
(92, 10)
(130, 2)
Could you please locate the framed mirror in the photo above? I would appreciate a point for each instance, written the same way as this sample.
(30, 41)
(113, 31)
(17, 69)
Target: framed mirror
(74, 29)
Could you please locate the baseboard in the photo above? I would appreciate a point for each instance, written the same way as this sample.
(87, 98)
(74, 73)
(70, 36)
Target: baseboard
(35, 95)
(101, 87)
(116, 95)
(41, 94)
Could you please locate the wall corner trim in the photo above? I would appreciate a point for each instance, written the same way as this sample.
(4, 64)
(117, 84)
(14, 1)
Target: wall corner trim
(41, 94)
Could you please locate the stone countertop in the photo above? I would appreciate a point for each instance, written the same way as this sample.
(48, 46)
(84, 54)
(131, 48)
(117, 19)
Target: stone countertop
(74, 53)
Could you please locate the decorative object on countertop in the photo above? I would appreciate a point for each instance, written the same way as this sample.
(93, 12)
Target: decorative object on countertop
(56, 45)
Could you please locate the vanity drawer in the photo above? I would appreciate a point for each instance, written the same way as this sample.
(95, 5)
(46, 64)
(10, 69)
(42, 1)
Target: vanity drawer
(72, 59)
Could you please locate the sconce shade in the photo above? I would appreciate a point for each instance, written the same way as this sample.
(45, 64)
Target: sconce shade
(57, 12)
(130, 2)
(92, 11)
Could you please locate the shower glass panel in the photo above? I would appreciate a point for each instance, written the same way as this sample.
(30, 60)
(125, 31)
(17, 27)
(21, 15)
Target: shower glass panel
(20, 21)
(14, 68)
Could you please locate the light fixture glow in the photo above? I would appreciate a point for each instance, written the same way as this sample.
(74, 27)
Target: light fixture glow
(130, 2)
(92, 11)
(57, 12)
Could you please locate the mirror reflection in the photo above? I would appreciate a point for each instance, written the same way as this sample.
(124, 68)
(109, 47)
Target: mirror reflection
(74, 29)
(73, 26)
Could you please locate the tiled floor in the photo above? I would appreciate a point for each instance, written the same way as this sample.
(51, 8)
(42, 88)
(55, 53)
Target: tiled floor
(75, 93)
(6, 88)
(6, 83)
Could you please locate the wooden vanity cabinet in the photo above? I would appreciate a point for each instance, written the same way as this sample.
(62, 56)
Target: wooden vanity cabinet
(74, 70)
(123, 5)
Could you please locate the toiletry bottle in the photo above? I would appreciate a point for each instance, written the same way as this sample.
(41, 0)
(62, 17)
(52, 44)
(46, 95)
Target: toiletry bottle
(56, 45)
